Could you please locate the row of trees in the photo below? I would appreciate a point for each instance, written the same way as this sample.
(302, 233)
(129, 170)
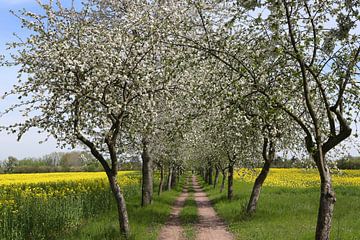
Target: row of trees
(62, 162)
(205, 84)
(56, 161)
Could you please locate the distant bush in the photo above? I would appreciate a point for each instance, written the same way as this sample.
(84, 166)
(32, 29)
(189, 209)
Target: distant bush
(349, 163)
(48, 169)
(282, 163)
(293, 163)
(37, 169)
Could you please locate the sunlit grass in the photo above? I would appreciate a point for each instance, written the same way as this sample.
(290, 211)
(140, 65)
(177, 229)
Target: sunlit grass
(287, 208)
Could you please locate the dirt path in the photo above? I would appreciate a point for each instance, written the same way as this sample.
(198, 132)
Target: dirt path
(210, 226)
(172, 228)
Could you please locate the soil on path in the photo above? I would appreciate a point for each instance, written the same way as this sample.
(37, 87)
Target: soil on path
(172, 228)
(210, 226)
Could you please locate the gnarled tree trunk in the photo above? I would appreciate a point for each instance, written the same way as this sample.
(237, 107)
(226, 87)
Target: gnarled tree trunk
(147, 176)
(230, 181)
(173, 177)
(255, 194)
(268, 156)
(223, 180)
(161, 179)
(217, 172)
(210, 176)
(121, 205)
(178, 174)
(327, 199)
(169, 179)
(111, 172)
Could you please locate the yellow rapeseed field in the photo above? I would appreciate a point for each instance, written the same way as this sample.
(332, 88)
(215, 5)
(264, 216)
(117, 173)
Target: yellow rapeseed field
(299, 178)
(45, 185)
(52, 202)
(32, 178)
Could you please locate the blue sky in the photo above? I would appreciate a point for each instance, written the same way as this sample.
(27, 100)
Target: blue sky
(29, 145)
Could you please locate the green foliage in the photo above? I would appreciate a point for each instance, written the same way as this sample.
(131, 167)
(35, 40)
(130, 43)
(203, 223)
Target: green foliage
(31, 162)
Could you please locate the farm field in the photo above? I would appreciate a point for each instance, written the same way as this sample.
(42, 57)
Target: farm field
(80, 206)
(53, 205)
(288, 205)
(38, 178)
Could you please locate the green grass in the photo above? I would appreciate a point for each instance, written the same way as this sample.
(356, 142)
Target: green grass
(188, 216)
(145, 223)
(286, 213)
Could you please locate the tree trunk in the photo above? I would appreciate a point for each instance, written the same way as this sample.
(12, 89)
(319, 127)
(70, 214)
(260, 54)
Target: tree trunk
(173, 178)
(169, 179)
(147, 176)
(111, 173)
(223, 180)
(161, 180)
(327, 200)
(178, 174)
(217, 172)
(268, 153)
(121, 205)
(255, 194)
(230, 181)
(210, 181)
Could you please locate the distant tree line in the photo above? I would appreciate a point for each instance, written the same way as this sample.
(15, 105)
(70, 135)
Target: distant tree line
(348, 162)
(75, 161)
(81, 161)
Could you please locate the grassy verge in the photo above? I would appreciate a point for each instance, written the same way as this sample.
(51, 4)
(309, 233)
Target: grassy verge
(286, 213)
(188, 215)
(145, 222)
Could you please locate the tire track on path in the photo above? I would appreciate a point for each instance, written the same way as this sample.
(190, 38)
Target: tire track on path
(210, 226)
(172, 228)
